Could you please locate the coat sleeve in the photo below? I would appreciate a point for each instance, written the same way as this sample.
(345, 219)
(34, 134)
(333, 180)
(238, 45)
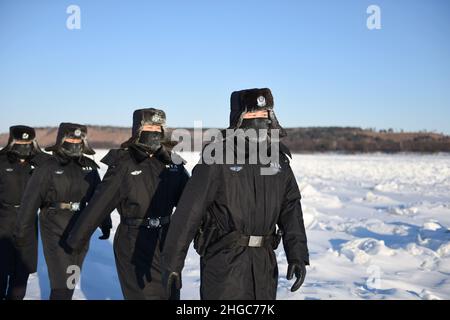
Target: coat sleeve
(107, 222)
(183, 180)
(291, 223)
(196, 198)
(32, 200)
(106, 198)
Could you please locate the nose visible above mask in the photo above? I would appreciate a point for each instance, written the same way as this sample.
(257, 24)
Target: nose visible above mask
(21, 150)
(73, 150)
(150, 140)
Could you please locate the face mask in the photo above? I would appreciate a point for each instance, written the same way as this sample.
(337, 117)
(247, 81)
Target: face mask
(73, 150)
(21, 150)
(260, 125)
(150, 140)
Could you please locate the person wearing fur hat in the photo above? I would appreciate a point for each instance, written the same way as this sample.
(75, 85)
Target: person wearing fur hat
(143, 183)
(17, 163)
(236, 215)
(61, 188)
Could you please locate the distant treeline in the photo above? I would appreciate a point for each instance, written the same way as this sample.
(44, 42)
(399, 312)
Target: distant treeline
(299, 140)
(357, 140)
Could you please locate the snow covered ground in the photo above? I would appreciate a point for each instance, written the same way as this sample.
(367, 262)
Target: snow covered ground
(377, 225)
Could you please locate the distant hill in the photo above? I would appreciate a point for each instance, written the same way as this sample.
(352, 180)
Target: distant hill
(303, 140)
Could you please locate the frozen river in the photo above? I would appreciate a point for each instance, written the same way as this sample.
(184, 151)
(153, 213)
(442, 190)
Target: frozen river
(377, 225)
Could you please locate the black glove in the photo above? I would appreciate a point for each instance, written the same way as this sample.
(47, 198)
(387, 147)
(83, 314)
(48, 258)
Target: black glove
(171, 280)
(299, 270)
(106, 233)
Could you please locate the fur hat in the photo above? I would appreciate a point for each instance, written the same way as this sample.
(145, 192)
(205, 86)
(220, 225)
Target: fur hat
(21, 133)
(145, 117)
(250, 100)
(71, 131)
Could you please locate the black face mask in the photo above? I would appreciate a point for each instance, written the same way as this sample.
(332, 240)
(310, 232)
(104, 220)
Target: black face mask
(72, 150)
(150, 140)
(257, 124)
(23, 151)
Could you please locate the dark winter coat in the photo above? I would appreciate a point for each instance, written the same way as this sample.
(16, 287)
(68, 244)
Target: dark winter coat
(14, 176)
(138, 187)
(239, 199)
(58, 180)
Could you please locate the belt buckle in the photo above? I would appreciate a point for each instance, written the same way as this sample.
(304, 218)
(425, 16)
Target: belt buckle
(255, 241)
(75, 206)
(153, 223)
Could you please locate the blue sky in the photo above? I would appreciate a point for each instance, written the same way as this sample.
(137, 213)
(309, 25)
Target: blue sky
(322, 63)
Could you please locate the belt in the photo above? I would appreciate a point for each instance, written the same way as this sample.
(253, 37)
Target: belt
(149, 223)
(255, 241)
(236, 238)
(70, 206)
(9, 205)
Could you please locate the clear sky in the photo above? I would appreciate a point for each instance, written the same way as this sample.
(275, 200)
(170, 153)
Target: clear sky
(322, 63)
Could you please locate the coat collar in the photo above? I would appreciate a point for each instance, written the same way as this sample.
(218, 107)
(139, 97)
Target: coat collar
(82, 161)
(139, 155)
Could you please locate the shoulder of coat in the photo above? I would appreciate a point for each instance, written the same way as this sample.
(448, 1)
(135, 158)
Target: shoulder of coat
(285, 153)
(208, 154)
(51, 161)
(40, 159)
(176, 159)
(90, 163)
(116, 156)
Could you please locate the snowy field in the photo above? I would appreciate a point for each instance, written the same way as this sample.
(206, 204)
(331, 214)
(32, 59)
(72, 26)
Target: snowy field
(378, 228)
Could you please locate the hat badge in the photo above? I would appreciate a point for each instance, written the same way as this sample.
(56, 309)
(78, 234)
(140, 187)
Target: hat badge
(156, 118)
(77, 133)
(261, 101)
(25, 136)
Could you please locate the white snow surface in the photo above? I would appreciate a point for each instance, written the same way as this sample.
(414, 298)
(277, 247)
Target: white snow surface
(377, 227)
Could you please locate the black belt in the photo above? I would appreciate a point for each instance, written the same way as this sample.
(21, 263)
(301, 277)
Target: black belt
(255, 241)
(149, 223)
(9, 205)
(236, 238)
(70, 206)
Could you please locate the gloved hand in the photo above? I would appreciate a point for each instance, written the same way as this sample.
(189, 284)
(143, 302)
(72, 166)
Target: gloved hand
(171, 280)
(106, 233)
(299, 270)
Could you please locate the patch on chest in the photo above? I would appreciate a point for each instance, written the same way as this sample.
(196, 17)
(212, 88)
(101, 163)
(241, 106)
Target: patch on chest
(59, 172)
(236, 168)
(9, 170)
(172, 167)
(136, 173)
(87, 169)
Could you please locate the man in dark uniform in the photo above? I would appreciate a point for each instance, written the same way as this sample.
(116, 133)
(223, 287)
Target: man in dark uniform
(233, 211)
(61, 187)
(144, 185)
(17, 162)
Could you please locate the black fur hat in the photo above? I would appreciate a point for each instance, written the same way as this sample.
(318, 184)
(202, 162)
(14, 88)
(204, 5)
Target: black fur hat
(149, 116)
(21, 133)
(71, 130)
(253, 100)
